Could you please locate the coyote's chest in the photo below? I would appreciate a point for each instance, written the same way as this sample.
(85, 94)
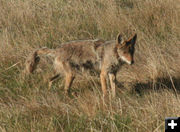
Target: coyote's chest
(113, 67)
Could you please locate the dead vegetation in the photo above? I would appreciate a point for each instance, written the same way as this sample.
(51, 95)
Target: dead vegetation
(147, 92)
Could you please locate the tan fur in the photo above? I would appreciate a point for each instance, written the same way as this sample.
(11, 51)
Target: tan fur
(98, 55)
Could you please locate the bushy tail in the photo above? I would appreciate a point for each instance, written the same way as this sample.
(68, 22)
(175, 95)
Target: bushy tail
(33, 60)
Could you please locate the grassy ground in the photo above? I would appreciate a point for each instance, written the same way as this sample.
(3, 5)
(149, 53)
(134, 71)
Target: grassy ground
(147, 92)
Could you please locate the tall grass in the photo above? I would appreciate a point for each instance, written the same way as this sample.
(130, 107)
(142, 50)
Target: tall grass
(147, 92)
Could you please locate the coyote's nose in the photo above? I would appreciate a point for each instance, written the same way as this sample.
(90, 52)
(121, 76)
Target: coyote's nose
(132, 62)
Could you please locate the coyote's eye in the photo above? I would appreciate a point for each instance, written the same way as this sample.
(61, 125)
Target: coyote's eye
(125, 52)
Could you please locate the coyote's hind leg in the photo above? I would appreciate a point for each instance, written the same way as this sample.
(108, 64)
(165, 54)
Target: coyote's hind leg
(68, 82)
(58, 68)
(52, 79)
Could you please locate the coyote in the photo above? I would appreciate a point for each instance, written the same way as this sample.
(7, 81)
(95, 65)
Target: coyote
(99, 55)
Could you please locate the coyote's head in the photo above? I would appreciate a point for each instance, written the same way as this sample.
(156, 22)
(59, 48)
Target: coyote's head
(125, 49)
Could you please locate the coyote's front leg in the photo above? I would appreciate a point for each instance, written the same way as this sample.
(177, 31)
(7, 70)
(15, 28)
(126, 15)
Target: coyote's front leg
(103, 76)
(112, 78)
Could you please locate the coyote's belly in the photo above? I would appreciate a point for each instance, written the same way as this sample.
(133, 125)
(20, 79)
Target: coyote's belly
(85, 65)
(81, 56)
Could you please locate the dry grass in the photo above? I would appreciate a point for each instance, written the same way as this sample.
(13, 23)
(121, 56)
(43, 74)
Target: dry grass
(147, 92)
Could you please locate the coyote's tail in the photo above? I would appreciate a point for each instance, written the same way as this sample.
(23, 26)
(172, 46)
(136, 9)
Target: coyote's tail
(33, 60)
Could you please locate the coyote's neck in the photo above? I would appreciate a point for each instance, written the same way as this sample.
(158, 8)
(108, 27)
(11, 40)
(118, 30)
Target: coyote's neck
(119, 58)
(116, 53)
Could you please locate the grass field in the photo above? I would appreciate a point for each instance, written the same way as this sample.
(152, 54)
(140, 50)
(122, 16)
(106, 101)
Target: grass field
(147, 91)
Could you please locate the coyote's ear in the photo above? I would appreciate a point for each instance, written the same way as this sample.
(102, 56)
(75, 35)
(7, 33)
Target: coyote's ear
(119, 39)
(132, 40)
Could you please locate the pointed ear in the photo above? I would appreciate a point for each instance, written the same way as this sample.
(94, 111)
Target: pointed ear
(119, 39)
(132, 40)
